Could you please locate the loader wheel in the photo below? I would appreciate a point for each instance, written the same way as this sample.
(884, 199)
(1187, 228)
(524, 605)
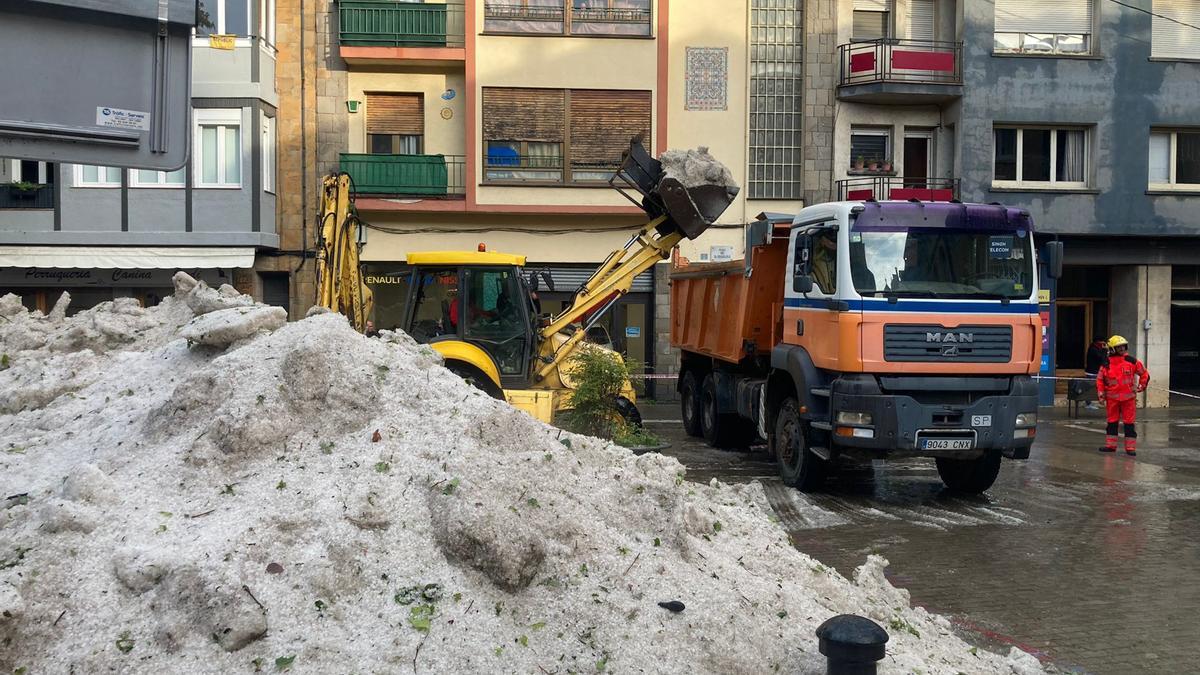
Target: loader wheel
(720, 431)
(798, 467)
(475, 377)
(971, 476)
(689, 404)
(629, 412)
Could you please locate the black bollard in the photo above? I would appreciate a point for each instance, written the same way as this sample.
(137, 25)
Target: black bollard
(852, 644)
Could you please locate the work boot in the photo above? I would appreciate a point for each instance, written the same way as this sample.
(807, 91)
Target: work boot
(1131, 453)
(1110, 443)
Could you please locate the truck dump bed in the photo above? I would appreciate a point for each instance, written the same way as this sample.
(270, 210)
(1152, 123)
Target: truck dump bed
(718, 312)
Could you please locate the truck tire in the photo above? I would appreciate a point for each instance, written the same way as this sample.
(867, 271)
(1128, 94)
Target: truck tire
(689, 404)
(718, 430)
(971, 476)
(798, 467)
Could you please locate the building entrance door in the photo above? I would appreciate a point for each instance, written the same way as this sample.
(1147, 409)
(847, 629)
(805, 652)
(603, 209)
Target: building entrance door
(1071, 337)
(916, 161)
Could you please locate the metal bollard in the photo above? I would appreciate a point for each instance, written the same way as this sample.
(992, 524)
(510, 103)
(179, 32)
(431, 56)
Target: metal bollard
(851, 644)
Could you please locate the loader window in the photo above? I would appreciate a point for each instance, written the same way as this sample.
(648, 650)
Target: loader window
(435, 309)
(496, 318)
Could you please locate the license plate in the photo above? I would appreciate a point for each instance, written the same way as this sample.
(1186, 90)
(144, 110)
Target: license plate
(947, 444)
(981, 420)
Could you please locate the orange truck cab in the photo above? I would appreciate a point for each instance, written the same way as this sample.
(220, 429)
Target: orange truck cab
(867, 330)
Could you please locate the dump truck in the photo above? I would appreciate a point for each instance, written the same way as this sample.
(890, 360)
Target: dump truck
(868, 330)
(479, 309)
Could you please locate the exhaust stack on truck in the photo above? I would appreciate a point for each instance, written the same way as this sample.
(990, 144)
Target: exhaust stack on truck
(868, 330)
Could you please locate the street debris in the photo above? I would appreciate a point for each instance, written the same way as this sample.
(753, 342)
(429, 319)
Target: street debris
(414, 516)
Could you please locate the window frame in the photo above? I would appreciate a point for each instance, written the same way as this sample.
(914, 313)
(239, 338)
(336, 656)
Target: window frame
(568, 9)
(135, 180)
(79, 181)
(267, 148)
(889, 147)
(219, 28)
(45, 172)
(1053, 183)
(1088, 42)
(221, 118)
(1172, 183)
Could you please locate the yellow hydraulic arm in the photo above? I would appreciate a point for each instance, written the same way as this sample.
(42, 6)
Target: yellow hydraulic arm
(340, 286)
(615, 275)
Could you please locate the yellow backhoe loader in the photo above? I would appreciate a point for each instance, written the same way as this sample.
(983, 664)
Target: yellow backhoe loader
(479, 309)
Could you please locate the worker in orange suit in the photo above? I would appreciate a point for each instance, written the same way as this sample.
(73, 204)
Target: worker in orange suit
(1117, 385)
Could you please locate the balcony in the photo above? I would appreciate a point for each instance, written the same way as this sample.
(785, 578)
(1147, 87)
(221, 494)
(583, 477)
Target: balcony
(381, 31)
(881, 188)
(26, 196)
(903, 72)
(406, 175)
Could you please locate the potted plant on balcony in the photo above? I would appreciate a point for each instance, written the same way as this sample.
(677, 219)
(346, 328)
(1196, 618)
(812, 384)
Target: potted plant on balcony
(859, 163)
(24, 190)
(873, 164)
(887, 165)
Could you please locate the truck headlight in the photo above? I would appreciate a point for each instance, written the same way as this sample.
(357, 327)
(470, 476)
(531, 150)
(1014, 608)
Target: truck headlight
(1026, 419)
(858, 418)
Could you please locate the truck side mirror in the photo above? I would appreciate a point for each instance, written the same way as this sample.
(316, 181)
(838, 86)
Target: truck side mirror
(802, 283)
(802, 265)
(1054, 259)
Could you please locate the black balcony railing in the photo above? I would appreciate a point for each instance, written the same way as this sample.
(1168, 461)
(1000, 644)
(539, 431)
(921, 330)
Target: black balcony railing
(26, 196)
(881, 188)
(905, 61)
(406, 175)
(515, 17)
(386, 23)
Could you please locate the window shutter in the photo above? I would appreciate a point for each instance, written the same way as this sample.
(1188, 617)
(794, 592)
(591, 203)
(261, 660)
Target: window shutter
(1039, 16)
(920, 20)
(524, 114)
(872, 5)
(603, 121)
(402, 114)
(1171, 40)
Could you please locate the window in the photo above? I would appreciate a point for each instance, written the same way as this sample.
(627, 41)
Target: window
(144, 178)
(87, 175)
(268, 153)
(1040, 157)
(223, 17)
(527, 137)
(395, 123)
(495, 315)
(1169, 37)
(266, 21)
(568, 17)
(872, 19)
(1038, 27)
(869, 146)
(30, 171)
(436, 308)
(824, 260)
(1175, 159)
(776, 99)
(218, 148)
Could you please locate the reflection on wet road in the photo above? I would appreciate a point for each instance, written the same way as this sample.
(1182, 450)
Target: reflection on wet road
(1088, 560)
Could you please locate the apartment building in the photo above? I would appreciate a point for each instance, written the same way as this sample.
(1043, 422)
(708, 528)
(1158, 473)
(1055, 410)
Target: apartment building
(106, 232)
(499, 123)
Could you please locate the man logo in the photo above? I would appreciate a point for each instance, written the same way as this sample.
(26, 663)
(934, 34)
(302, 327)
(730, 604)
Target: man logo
(950, 338)
(950, 351)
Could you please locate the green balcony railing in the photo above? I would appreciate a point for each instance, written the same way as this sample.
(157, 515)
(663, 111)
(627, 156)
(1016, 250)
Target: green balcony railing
(416, 175)
(386, 23)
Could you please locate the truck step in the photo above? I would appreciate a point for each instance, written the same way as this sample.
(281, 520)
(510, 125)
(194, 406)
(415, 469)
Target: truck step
(823, 453)
(823, 392)
(822, 425)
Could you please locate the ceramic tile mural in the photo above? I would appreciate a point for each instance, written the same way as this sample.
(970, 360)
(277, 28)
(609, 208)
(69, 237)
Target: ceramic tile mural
(707, 77)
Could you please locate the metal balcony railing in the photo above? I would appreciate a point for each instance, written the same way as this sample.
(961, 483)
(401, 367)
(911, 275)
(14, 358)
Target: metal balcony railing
(880, 188)
(26, 196)
(387, 23)
(406, 175)
(510, 16)
(904, 61)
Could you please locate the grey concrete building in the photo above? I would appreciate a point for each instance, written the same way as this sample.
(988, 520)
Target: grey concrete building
(1086, 112)
(105, 232)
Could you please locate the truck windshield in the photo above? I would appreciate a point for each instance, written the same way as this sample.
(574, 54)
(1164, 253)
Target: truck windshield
(942, 263)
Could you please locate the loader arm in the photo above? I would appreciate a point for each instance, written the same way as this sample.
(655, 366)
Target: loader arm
(340, 286)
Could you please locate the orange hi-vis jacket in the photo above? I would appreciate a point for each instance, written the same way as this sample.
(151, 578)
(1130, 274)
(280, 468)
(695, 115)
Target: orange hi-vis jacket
(1122, 378)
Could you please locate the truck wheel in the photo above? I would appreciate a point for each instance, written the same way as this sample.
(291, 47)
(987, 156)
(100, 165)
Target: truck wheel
(717, 429)
(689, 404)
(971, 476)
(798, 467)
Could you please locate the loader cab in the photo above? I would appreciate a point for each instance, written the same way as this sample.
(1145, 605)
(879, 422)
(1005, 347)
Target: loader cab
(475, 307)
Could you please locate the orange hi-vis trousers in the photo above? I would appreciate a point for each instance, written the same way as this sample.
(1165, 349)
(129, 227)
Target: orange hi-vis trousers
(1121, 412)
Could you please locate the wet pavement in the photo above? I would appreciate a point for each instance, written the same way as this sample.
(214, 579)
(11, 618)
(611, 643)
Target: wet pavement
(1089, 561)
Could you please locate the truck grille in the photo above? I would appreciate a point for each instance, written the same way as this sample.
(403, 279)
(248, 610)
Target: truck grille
(965, 344)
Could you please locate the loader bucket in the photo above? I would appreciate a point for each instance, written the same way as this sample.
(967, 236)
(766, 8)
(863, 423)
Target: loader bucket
(690, 210)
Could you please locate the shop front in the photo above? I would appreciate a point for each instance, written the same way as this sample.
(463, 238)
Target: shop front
(39, 288)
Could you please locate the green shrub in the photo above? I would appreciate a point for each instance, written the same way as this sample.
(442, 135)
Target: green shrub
(600, 375)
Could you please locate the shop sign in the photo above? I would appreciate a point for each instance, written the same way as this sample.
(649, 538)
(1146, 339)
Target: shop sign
(720, 253)
(58, 278)
(633, 331)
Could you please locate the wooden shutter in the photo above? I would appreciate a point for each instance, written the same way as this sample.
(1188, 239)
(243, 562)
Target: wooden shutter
(1039, 16)
(920, 20)
(1171, 40)
(396, 114)
(872, 5)
(603, 121)
(521, 114)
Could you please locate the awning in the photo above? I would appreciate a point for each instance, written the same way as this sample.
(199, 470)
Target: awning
(126, 257)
